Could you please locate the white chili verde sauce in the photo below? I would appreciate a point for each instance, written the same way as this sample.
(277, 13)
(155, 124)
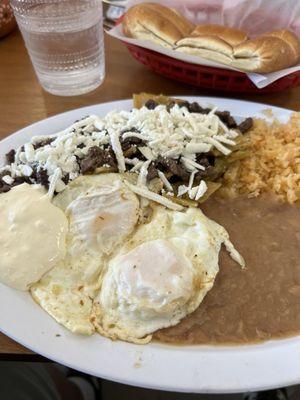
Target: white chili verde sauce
(32, 235)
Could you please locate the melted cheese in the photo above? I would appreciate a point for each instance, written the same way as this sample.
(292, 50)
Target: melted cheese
(32, 236)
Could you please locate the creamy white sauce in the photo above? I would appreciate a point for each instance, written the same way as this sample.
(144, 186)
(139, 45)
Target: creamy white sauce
(32, 235)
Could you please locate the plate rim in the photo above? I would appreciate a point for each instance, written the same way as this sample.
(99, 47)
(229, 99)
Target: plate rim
(183, 384)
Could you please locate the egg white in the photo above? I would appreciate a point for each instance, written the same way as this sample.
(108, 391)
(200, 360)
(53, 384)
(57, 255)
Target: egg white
(102, 212)
(160, 275)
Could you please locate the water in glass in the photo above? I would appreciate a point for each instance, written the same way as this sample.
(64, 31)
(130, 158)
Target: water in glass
(64, 39)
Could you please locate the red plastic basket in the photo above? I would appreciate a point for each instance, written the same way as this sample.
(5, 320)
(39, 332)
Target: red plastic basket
(207, 77)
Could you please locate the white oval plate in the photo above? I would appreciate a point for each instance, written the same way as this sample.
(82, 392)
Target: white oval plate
(190, 369)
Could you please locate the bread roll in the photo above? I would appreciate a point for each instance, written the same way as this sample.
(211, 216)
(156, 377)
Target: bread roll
(209, 47)
(291, 39)
(263, 54)
(230, 35)
(270, 52)
(154, 22)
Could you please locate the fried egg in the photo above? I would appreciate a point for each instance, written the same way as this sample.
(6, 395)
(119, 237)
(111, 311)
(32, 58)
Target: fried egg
(160, 275)
(102, 212)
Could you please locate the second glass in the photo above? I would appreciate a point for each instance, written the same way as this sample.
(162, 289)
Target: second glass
(64, 39)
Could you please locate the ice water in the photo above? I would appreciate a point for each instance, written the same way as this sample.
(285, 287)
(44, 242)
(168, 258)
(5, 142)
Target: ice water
(64, 39)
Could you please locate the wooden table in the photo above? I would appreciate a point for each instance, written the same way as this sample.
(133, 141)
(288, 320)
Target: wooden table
(23, 101)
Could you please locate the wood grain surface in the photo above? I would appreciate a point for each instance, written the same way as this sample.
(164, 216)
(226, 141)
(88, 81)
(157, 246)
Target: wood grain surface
(23, 101)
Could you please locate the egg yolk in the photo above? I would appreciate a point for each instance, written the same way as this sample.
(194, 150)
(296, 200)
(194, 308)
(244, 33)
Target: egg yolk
(101, 219)
(154, 276)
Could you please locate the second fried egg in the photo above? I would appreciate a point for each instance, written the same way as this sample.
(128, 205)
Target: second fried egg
(160, 275)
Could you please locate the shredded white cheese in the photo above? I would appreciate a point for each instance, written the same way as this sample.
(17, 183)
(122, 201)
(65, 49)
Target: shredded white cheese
(202, 188)
(165, 181)
(29, 152)
(223, 126)
(198, 148)
(174, 133)
(218, 145)
(146, 151)
(26, 170)
(8, 179)
(224, 139)
(144, 192)
(234, 254)
(137, 166)
(191, 180)
(196, 192)
(190, 163)
(131, 161)
(133, 134)
(192, 192)
(182, 189)
(116, 146)
(142, 178)
(53, 181)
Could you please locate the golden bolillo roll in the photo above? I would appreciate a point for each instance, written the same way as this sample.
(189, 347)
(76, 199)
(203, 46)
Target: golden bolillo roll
(264, 54)
(208, 47)
(232, 36)
(290, 38)
(154, 22)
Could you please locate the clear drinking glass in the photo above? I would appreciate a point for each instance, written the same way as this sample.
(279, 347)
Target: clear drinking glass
(64, 39)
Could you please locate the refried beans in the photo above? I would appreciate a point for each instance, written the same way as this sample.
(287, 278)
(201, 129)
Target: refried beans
(262, 301)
